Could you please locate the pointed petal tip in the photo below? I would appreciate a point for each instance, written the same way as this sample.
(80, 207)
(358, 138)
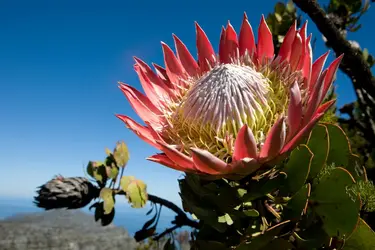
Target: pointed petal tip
(206, 162)
(275, 140)
(340, 57)
(245, 144)
(245, 15)
(197, 26)
(138, 61)
(304, 25)
(176, 38)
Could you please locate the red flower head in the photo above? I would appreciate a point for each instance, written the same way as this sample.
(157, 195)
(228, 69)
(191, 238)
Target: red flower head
(226, 114)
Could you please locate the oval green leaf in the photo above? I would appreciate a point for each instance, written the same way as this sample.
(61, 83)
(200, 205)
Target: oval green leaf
(297, 169)
(318, 143)
(121, 154)
(297, 204)
(335, 204)
(136, 191)
(109, 201)
(362, 238)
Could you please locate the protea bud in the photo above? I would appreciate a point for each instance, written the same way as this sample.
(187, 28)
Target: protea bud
(229, 113)
(70, 193)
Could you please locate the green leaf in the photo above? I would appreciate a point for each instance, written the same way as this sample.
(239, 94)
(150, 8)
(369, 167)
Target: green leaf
(290, 7)
(312, 238)
(251, 212)
(335, 204)
(297, 169)
(241, 192)
(108, 152)
(125, 182)
(105, 219)
(90, 169)
(356, 169)
(121, 154)
(108, 198)
(136, 191)
(353, 5)
(225, 219)
(112, 172)
(297, 204)
(97, 170)
(340, 153)
(318, 143)
(362, 238)
(279, 8)
(339, 150)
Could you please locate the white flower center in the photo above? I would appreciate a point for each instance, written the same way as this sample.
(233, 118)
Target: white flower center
(226, 98)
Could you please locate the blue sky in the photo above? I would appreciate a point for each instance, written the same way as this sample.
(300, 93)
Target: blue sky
(60, 62)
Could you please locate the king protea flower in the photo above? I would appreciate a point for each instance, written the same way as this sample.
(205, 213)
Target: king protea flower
(229, 113)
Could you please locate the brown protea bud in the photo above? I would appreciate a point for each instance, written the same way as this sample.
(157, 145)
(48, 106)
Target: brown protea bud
(70, 193)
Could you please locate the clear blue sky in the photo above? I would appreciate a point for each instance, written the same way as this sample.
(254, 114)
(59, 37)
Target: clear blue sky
(59, 66)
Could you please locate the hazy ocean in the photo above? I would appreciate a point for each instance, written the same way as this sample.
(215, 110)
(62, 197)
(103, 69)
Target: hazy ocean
(129, 218)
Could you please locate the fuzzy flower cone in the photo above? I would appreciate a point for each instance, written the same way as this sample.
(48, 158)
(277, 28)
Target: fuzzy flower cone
(227, 114)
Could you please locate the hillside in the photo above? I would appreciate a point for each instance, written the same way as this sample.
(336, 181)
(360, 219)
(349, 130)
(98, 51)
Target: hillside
(61, 229)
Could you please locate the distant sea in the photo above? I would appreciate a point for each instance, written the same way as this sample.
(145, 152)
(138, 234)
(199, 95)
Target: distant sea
(129, 218)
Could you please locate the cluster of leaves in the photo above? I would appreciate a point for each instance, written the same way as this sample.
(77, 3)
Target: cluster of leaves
(280, 20)
(107, 174)
(345, 14)
(309, 201)
(108, 171)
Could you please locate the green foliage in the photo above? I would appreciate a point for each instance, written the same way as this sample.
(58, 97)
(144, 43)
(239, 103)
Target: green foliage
(362, 238)
(299, 203)
(366, 190)
(297, 169)
(121, 154)
(101, 215)
(318, 143)
(346, 13)
(106, 194)
(136, 191)
(337, 203)
(102, 171)
(280, 21)
(97, 170)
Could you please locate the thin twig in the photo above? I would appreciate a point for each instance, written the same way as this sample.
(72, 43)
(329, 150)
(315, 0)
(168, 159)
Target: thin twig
(183, 220)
